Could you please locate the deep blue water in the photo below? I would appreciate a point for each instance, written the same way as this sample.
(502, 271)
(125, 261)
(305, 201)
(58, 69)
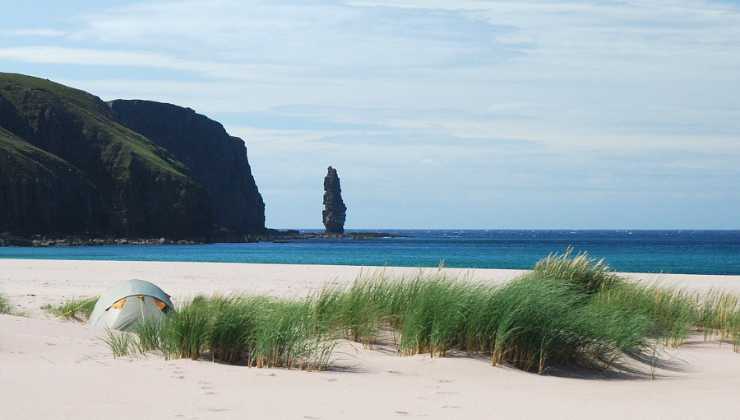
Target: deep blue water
(694, 252)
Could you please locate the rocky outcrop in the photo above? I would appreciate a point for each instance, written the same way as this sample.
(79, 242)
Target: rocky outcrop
(335, 212)
(215, 159)
(67, 166)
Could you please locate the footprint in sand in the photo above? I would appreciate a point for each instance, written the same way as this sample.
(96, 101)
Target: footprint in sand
(178, 373)
(206, 387)
(446, 393)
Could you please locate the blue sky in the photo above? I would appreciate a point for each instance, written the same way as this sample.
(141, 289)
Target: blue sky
(437, 113)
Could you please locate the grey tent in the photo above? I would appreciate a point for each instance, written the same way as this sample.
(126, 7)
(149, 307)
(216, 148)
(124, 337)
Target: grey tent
(127, 303)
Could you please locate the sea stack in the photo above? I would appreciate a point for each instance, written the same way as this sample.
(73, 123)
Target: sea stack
(335, 211)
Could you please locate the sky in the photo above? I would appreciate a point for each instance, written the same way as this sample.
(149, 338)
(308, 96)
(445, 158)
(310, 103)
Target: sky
(510, 114)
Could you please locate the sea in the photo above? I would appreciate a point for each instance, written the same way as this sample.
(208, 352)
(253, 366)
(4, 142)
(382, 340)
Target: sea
(647, 251)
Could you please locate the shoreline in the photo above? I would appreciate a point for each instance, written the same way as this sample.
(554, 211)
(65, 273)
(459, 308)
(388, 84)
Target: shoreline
(270, 235)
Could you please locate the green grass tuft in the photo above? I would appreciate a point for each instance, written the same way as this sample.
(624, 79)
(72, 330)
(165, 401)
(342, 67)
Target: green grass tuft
(184, 333)
(77, 309)
(233, 327)
(148, 335)
(580, 270)
(433, 316)
(5, 307)
(672, 313)
(287, 335)
(253, 331)
(719, 317)
(121, 344)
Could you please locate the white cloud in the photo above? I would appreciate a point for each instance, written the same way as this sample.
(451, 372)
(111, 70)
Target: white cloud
(134, 58)
(35, 32)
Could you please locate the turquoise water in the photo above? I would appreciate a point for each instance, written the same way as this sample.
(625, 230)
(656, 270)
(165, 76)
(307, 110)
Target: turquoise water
(692, 252)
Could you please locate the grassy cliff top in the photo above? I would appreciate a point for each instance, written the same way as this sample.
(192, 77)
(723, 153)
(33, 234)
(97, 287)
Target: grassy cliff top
(29, 159)
(30, 95)
(75, 96)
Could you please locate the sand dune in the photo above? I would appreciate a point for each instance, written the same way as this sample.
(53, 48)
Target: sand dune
(52, 369)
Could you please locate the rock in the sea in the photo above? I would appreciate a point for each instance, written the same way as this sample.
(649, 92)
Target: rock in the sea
(335, 212)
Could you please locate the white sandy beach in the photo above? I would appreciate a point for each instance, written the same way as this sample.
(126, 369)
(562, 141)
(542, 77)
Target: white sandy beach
(51, 369)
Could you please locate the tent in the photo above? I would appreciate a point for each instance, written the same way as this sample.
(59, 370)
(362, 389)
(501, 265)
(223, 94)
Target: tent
(127, 303)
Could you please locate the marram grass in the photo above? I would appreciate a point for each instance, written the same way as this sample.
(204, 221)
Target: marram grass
(120, 343)
(672, 313)
(253, 331)
(5, 307)
(580, 271)
(78, 309)
(569, 311)
(719, 317)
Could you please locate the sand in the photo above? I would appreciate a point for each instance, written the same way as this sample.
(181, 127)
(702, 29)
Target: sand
(51, 369)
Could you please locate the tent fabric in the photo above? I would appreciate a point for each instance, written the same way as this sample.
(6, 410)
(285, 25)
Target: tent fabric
(142, 302)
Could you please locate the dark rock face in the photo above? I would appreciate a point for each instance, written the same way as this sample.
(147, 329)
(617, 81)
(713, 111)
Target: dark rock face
(67, 166)
(216, 160)
(42, 193)
(335, 212)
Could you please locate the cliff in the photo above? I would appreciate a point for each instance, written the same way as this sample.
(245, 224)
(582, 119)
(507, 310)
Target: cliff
(216, 160)
(41, 192)
(67, 166)
(335, 212)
